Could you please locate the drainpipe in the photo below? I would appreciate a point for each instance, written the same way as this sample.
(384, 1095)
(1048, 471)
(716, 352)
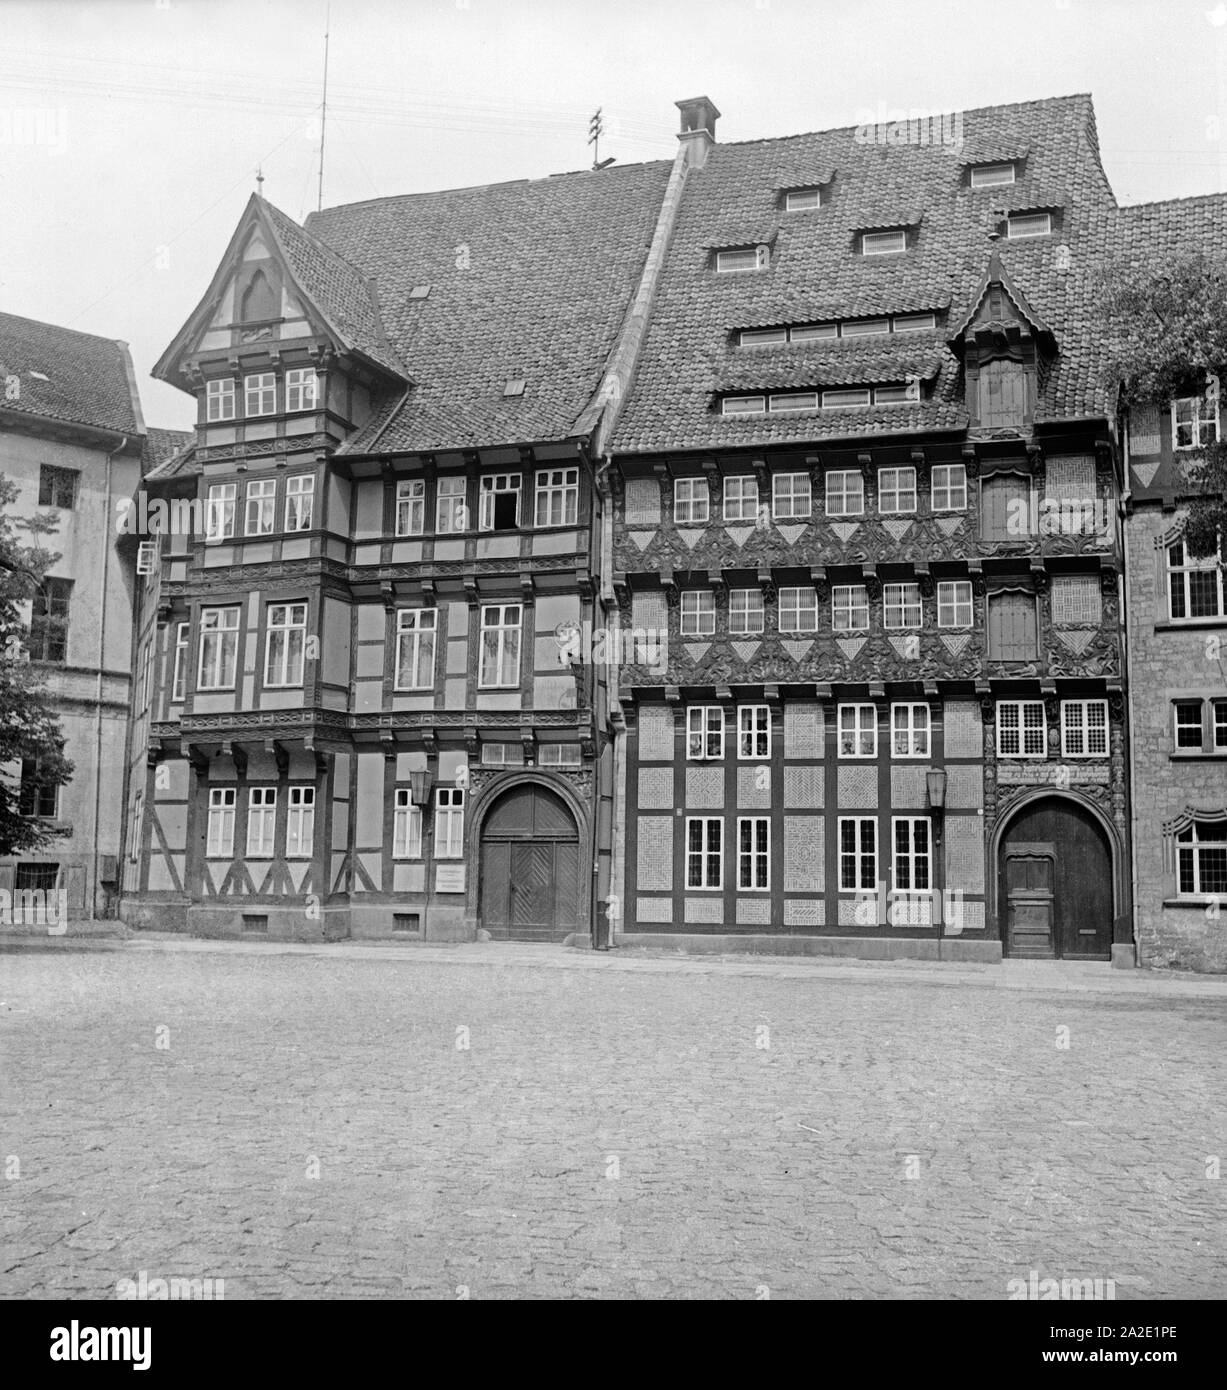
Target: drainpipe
(102, 628)
(1122, 517)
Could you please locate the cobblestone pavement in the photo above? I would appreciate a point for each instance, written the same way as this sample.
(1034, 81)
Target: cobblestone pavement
(396, 1121)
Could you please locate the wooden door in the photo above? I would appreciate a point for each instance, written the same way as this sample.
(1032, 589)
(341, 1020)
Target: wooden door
(529, 884)
(532, 887)
(1029, 902)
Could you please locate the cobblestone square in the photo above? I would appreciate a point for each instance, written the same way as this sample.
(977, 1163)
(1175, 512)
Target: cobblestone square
(535, 1122)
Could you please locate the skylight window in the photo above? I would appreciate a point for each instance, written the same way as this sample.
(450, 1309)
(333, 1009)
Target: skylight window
(883, 243)
(763, 337)
(744, 405)
(793, 400)
(811, 332)
(785, 402)
(743, 258)
(803, 200)
(839, 400)
(863, 327)
(1028, 224)
(992, 175)
(852, 328)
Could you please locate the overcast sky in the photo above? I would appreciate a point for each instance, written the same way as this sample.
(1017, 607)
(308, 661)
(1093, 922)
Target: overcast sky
(131, 130)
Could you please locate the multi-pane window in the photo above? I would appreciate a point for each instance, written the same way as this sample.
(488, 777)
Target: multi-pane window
(1194, 423)
(57, 487)
(178, 684)
(260, 394)
(451, 512)
(219, 399)
(261, 821)
(1012, 627)
(449, 823)
(698, 613)
(745, 610)
(896, 490)
(858, 731)
(219, 511)
(901, 605)
(1194, 587)
(299, 502)
(704, 732)
(948, 487)
(798, 610)
(285, 644)
(858, 853)
(791, 496)
(909, 731)
(754, 852)
(143, 681)
(559, 755)
(406, 827)
(302, 388)
(36, 797)
(741, 498)
(704, 851)
(1189, 730)
(219, 843)
(850, 608)
(415, 648)
(1201, 858)
(1084, 728)
(754, 731)
(500, 646)
(557, 497)
(1022, 731)
(1218, 710)
(300, 823)
(954, 605)
(691, 501)
(912, 857)
(499, 502)
(261, 505)
(219, 648)
(410, 507)
(845, 490)
(883, 243)
(48, 637)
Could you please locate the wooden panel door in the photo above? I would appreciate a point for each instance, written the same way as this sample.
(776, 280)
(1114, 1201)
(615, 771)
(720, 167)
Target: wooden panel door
(1030, 903)
(532, 886)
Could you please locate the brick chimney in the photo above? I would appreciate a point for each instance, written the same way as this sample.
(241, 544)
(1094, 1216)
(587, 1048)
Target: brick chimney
(698, 132)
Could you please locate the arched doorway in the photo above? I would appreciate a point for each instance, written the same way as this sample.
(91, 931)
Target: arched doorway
(1055, 883)
(529, 879)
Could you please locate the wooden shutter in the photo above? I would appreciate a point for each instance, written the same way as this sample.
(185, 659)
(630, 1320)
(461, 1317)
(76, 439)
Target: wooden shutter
(1011, 627)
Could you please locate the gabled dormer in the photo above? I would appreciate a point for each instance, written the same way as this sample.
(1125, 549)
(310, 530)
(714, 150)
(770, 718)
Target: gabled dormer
(1006, 349)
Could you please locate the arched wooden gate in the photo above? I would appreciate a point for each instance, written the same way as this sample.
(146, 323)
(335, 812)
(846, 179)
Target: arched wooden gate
(529, 880)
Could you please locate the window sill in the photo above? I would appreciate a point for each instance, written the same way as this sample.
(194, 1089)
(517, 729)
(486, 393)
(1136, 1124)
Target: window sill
(1189, 624)
(1192, 756)
(1197, 904)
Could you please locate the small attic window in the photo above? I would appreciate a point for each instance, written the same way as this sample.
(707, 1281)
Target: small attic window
(861, 328)
(1021, 226)
(743, 405)
(743, 258)
(993, 175)
(419, 292)
(802, 199)
(514, 387)
(884, 243)
(914, 323)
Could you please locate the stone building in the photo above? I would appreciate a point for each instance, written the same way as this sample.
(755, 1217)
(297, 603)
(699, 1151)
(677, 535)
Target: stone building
(73, 439)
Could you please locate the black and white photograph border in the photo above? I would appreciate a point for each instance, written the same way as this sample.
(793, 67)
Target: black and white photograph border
(611, 673)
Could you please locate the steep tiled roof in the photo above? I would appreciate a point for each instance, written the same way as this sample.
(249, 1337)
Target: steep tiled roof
(527, 280)
(816, 273)
(161, 455)
(75, 378)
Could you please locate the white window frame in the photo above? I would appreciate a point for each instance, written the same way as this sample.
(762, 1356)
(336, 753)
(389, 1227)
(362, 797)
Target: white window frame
(746, 609)
(416, 644)
(260, 507)
(691, 501)
(261, 822)
(704, 855)
(987, 175)
(218, 637)
(219, 842)
(860, 721)
(284, 659)
(220, 403)
(1021, 729)
(896, 485)
(706, 724)
(884, 243)
(1203, 422)
(953, 597)
(1177, 726)
(1077, 729)
(451, 504)
(753, 732)
(792, 497)
(839, 491)
(847, 398)
(793, 600)
(741, 497)
(410, 506)
(178, 680)
(914, 720)
(1190, 846)
(913, 323)
(846, 607)
(903, 599)
(1180, 574)
(754, 863)
(911, 857)
(406, 826)
(863, 328)
(557, 489)
(863, 881)
(495, 485)
(1017, 222)
(300, 823)
(558, 754)
(302, 389)
(220, 503)
(259, 391)
(733, 260)
(954, 484)
(299, 512)
(803, 199)
(449, 823)
(697, 613)
(507, 635)
(743, 405)
(1218, 724)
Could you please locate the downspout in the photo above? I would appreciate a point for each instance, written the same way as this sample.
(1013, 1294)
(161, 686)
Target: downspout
(102, 628)
(1122, 511)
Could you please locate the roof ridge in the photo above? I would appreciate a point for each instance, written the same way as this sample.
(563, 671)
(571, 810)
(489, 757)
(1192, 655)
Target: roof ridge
(61, 328)
(1170, 202)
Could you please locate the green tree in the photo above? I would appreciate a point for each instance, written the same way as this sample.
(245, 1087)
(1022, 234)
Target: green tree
(1165, 334)
(29, 728)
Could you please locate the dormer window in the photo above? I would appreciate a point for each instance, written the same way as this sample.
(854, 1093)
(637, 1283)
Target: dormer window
(862, 328)
(992, 175)
(1024, 225)
(743, 405)
(743, 258)
(848, 328)
(890, 243)
(793, 400)
(802, 199)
